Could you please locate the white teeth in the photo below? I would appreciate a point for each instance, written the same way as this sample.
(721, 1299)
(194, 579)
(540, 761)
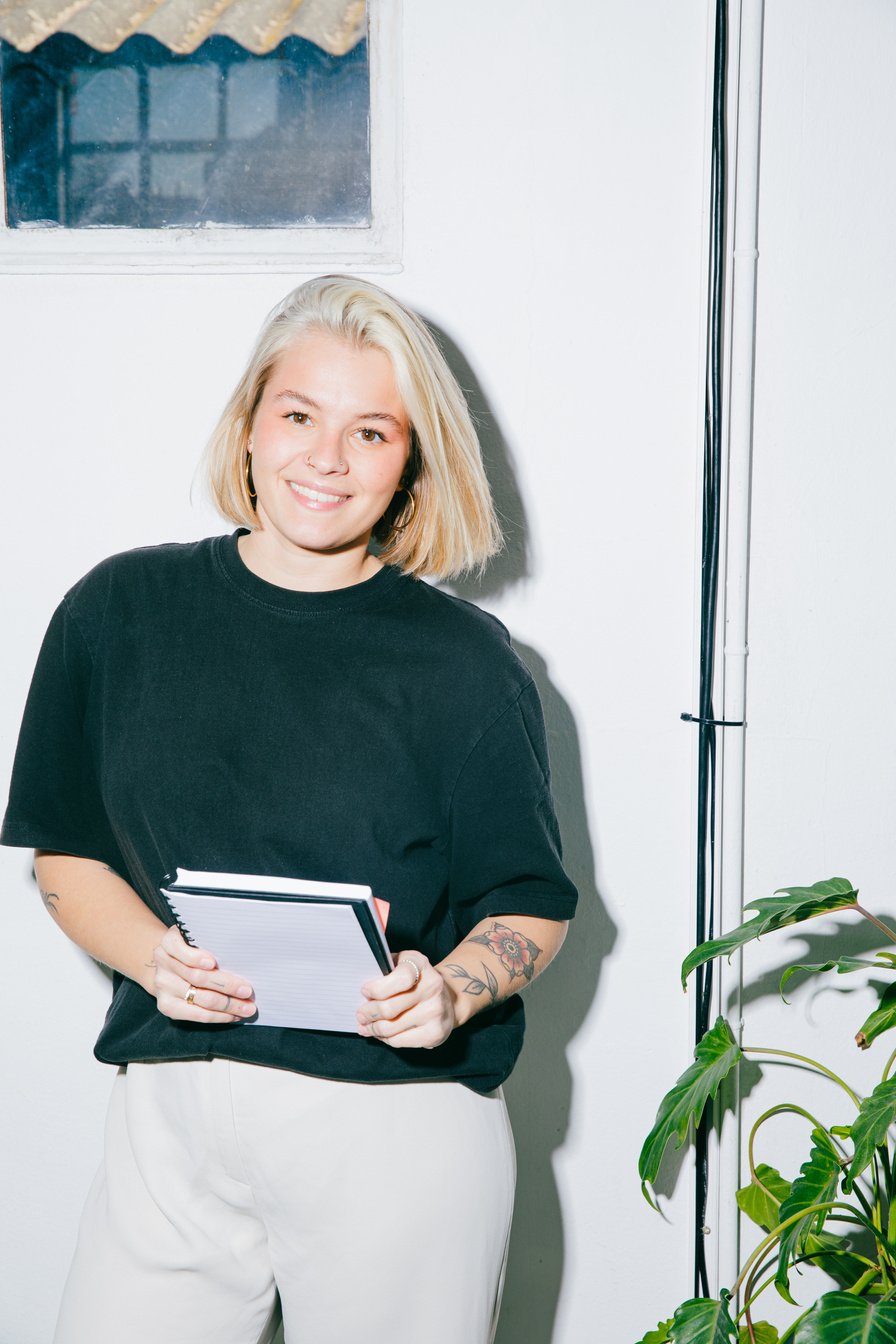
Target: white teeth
(317, 495)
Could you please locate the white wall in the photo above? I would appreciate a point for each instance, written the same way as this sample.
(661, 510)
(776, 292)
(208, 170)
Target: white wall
(554, 230)
(821, 741)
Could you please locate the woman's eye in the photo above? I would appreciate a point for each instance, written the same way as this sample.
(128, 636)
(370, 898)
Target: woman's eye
(298, 417)
(371, 435)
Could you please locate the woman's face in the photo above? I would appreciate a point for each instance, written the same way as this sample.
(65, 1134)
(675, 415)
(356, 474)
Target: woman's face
(329, 443)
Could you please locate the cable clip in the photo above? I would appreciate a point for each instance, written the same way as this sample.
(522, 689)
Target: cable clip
(716, 723)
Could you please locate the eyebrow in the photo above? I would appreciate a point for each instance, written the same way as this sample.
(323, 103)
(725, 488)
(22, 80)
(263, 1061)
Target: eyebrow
(383, 416)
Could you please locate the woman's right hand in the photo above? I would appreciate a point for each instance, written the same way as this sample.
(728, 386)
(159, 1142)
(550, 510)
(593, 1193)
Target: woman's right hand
(218, 996)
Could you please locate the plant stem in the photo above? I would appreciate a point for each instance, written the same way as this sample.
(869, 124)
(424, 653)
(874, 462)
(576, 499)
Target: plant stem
(775, 1235)
(871, 1273)
(861, 1284)
(860, 1196)
(804, 1059)
(787, 1108)
(884, 928)
(889, 1066)
(824, 1207)
(792, 1327)
(751, 1292)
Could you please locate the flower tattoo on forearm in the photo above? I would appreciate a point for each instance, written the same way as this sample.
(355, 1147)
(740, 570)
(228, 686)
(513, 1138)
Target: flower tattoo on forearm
(516, 953)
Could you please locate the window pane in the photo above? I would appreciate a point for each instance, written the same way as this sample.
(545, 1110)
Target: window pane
(104, 189)
(251, 99)
(218, 137)
(103, 105)
(183, 102)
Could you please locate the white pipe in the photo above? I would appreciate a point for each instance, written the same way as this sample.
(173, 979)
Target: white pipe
(741, 268)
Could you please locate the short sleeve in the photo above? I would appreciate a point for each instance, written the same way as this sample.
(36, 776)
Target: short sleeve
(54, 799)
(505, 841)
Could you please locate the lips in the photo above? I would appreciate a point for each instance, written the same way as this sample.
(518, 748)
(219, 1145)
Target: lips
(316, 496)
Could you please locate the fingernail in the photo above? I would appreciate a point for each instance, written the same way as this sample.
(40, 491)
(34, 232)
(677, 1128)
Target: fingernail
(207, 963)
(244, 992)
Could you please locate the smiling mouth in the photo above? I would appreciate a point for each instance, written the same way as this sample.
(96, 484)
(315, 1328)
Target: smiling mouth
(316, 496)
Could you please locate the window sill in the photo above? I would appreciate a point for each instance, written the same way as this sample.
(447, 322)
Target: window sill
(207, 250)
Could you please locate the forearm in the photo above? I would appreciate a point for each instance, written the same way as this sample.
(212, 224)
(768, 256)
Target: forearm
(100, 912)
(499, 957)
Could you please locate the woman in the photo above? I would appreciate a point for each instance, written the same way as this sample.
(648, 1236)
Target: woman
(284, 700)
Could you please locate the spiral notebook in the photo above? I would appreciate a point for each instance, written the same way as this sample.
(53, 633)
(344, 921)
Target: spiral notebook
(304, 947)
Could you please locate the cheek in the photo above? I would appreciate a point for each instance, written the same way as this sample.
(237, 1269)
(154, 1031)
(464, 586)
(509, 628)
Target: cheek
(270, 448)
(393, 470)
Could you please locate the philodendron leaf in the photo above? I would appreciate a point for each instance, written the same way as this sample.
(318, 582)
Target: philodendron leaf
(841, 1318)
(843, 966)
(763, 1333)
(817, 1183)
(869, 1129)
(703, 1320)
(658, 1336)
(832, 1254)
(716, 1055)
(789, 905)
(881, 1020)
(761, 1199)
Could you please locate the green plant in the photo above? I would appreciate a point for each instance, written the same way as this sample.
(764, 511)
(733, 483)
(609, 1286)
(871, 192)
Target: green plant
(840, 1211)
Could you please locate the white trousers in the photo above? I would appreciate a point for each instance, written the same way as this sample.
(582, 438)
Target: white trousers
(230, 1192)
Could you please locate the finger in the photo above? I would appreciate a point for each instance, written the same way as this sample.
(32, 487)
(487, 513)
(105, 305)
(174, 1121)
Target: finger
(210, 1001)
(431, 1015)
(184, 1002)
(424, 1036)
(380, 1010)
(219, 995)
(404, 978)
(194, 972)
(176, 946)
(381, 1029)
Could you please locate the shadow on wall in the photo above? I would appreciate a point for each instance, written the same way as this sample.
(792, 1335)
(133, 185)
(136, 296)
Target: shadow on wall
(539, 1092)
(512, 564)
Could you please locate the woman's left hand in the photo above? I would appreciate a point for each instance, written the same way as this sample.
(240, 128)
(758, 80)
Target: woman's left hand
(404, 1011)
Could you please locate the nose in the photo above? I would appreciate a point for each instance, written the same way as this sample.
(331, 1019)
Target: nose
(325, 455)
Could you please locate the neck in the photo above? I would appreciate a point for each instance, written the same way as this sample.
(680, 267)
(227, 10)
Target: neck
(276, 561)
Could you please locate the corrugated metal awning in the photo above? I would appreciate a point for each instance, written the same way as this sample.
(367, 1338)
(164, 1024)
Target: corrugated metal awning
(182, 25)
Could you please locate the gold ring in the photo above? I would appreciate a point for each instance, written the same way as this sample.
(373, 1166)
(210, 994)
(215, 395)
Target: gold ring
(190, 994)
(411, 962)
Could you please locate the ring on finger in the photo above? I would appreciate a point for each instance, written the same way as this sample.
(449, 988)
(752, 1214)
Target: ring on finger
(409, 961)
(190, 994)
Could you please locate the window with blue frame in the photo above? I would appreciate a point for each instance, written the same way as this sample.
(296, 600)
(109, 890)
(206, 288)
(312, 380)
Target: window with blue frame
(142, 138)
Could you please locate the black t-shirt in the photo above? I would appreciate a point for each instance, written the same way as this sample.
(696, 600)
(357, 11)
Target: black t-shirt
(186, 713)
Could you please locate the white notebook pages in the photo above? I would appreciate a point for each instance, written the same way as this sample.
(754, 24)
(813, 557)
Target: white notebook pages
(304, 947)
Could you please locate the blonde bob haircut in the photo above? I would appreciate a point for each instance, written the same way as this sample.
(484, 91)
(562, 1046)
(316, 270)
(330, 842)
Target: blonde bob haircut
(442, 521)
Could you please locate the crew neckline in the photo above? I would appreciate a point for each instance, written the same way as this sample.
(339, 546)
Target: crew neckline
(357, 596)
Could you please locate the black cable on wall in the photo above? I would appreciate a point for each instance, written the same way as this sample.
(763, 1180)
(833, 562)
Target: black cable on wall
(705, 718)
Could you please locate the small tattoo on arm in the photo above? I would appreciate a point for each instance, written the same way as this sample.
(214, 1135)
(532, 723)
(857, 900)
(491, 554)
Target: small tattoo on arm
(474, 985)
(515, 951)
(50, 899)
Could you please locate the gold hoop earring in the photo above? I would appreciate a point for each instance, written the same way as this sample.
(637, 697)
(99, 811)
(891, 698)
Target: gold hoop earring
(399, 526)
(247, 472)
